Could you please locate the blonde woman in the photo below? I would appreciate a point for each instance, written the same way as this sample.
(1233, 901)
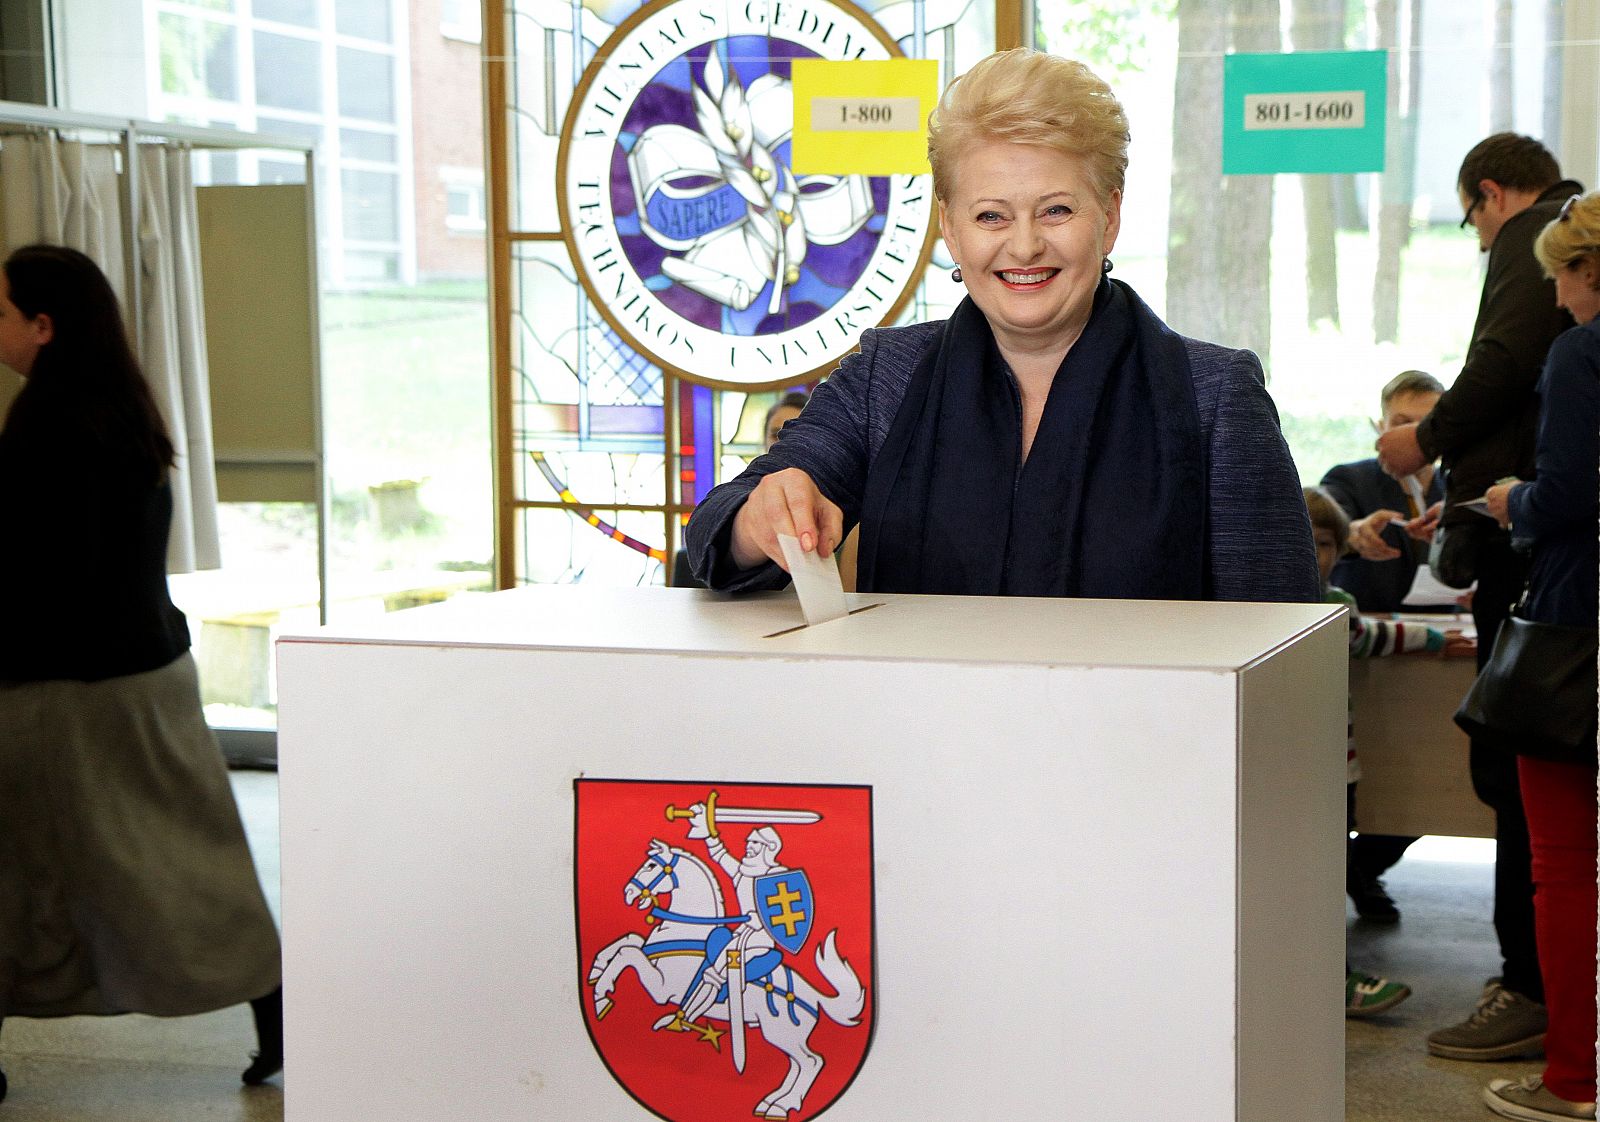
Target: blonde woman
(1052, 437)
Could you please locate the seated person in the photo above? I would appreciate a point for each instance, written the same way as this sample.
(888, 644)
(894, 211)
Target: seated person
(1384, 560)
(1366, 995)
(1378, 573)
(784, 410)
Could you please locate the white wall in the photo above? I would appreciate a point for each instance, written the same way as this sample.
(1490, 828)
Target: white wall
(1580, 96)
(101, 57)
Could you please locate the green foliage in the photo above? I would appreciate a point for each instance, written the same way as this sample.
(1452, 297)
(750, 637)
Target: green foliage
(1108, 34)
(180, 63)
(186, 48)
(1319, 443)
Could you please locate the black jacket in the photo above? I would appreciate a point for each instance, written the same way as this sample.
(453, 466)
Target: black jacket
(83, 562)
(1484, 425)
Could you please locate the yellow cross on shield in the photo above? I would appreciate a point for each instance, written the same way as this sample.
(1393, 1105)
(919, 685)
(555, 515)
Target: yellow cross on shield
(786, 907)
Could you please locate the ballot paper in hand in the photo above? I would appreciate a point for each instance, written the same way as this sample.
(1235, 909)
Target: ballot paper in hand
(816, 579)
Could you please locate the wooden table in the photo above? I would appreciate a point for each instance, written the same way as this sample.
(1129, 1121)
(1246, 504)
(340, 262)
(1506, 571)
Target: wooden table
(1413, 758)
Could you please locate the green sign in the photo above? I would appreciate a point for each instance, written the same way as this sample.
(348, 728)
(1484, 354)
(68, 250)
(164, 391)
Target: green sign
(1307, 111)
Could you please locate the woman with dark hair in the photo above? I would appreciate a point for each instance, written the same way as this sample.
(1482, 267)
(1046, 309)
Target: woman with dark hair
(126, 883)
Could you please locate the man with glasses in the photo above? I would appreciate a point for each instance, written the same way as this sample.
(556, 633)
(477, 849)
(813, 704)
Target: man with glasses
(1484, 429)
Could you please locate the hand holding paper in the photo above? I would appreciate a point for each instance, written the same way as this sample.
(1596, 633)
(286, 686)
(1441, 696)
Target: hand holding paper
(1366, 535)
(816, 579)
(785, 502)
(1423, 528)
(1497, 500)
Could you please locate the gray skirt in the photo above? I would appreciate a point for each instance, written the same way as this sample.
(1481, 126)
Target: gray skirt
(126, 884)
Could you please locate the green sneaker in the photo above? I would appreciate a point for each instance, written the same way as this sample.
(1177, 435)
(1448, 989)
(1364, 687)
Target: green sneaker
(1366, 995)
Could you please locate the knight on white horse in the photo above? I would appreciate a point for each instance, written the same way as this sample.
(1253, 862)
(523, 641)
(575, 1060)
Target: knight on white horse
(750, 946)
(704, 960)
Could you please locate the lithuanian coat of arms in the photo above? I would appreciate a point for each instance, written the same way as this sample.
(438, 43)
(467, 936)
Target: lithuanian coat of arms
(725, 943)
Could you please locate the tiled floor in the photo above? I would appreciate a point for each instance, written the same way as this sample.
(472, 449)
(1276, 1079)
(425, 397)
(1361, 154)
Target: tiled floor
(137, 1069)
(1444, 949)
(148, 1069)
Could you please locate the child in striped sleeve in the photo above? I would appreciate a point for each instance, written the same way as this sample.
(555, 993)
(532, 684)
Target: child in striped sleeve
(1365, 995)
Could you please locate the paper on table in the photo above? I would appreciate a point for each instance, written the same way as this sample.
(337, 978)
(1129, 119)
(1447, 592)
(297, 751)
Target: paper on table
(816, 579)
(1427, 589)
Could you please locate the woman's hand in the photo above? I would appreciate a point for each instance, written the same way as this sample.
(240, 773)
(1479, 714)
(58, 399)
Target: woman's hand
(1497, 499)
(1366, 535)
(785, 502)
(1422, 528)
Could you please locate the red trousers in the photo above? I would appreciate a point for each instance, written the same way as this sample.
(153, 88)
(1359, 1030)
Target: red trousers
(1561, 807)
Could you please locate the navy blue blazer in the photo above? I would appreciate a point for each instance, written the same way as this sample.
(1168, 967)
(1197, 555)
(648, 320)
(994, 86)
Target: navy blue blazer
(1560, 508)
(1258, 543)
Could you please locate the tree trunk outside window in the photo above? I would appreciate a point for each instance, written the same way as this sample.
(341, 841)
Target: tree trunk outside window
(1319, 25)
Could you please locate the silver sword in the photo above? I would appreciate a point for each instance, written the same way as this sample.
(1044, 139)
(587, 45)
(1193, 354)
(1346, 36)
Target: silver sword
(744, 815)
(736, 1002)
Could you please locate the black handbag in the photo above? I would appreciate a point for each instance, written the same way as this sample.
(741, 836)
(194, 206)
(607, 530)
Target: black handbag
(1536, 696)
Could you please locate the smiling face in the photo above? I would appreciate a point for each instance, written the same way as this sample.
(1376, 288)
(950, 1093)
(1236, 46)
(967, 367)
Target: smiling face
(1026, 227)
(1576, 288)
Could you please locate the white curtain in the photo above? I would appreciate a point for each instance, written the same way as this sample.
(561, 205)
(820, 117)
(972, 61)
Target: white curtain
(173, 348)
(66, 192)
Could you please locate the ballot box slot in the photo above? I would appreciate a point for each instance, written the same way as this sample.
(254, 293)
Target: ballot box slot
(803, 626)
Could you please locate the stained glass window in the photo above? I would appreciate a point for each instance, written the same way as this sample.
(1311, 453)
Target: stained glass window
(610, 447)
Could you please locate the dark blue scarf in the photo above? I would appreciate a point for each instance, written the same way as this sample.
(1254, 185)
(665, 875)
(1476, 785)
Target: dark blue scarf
(1111, 502)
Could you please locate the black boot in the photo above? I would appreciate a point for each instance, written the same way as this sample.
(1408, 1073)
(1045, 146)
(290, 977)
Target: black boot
(266, 1063)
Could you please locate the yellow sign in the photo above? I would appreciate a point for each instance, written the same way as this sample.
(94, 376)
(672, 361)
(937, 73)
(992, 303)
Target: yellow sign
(863, 117)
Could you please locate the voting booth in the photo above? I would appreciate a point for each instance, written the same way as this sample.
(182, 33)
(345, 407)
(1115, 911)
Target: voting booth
(574, 853)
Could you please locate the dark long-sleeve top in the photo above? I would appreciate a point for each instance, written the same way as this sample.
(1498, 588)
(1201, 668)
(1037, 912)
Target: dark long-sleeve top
(1560, 508)
(1484, 424)
(1362, 488)
(1258, 540)
(83, 566)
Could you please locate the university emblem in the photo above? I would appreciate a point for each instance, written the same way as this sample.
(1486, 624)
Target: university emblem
(725, 943)
(694, 236)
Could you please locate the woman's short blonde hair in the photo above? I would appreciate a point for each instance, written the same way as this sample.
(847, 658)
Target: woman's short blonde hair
(1573, 236)
(1029, 97)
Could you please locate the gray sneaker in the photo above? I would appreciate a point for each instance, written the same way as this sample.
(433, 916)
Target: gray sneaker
(1529, 1100)
(1505, 1024)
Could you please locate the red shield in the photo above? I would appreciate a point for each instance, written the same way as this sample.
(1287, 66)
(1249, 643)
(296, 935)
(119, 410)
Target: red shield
(662, 927)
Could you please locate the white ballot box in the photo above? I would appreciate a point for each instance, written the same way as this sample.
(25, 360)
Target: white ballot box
(586, 854)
